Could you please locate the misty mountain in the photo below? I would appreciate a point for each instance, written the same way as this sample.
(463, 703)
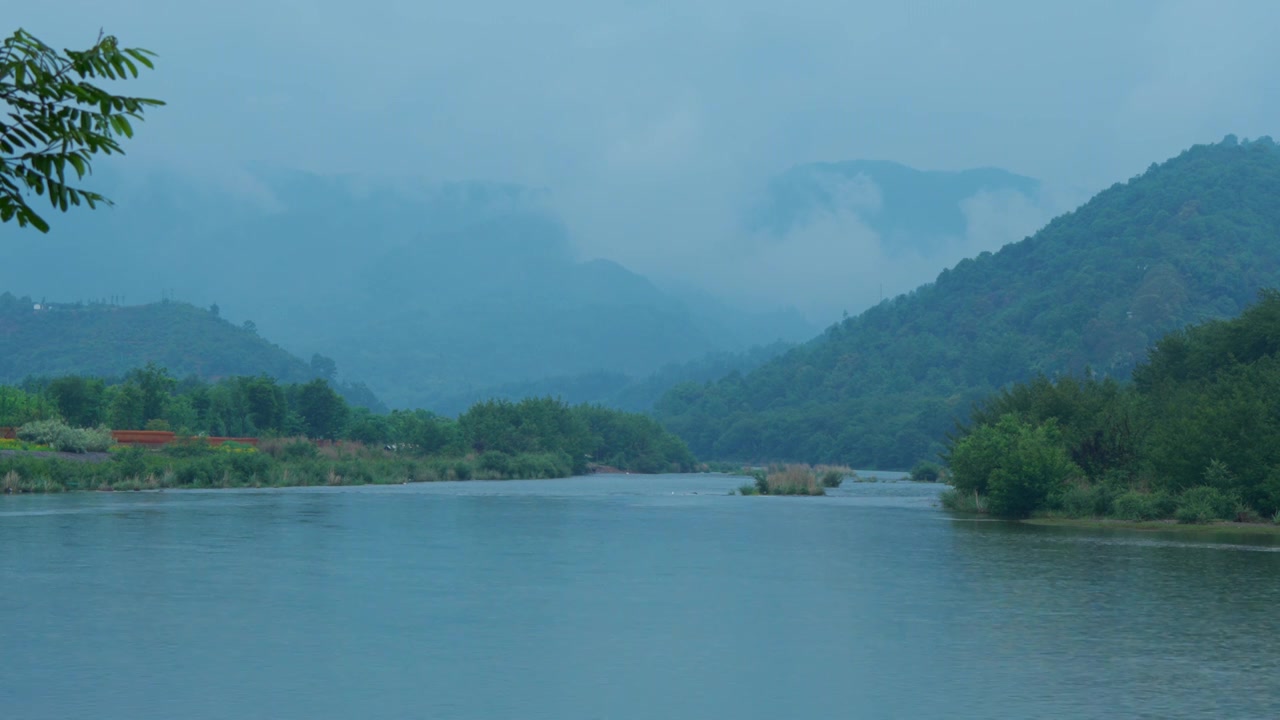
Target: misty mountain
(910, 209)
(1189, 240)
(617, 390)
(423, 290)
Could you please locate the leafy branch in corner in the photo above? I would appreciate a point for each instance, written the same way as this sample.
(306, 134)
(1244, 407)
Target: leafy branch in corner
(54, 118)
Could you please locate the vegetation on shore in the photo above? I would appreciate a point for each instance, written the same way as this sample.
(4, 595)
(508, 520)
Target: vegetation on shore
(1193, 438)
(534, 438)
(280, 462)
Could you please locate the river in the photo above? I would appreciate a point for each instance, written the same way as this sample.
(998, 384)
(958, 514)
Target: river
(619, 598)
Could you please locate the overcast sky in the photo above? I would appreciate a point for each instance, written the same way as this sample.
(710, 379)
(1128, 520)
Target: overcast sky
(648, 120)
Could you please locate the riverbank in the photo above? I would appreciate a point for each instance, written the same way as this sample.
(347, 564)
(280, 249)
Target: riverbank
(1258, 528)
(279, 463)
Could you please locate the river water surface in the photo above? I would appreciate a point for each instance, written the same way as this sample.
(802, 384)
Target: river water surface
(616, 597)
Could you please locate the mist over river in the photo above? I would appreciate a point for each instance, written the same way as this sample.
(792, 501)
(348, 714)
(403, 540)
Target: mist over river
(618, 597)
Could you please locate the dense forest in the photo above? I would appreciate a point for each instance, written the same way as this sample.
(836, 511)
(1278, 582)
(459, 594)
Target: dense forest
(46, 339)
(534, 437)
(1195, 435)
(1189, 240)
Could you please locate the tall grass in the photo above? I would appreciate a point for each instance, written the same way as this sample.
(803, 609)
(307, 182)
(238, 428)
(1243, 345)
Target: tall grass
(784, 480)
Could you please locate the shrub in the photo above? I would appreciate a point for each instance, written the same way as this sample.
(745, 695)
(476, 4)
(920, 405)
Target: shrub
(131, 462)
(495, 462)
(965, 502)
(925, 471)
(1137, 506)
(1019, 466)
(1217, 504)
(298, 450)
(832, 478)
(64, 438)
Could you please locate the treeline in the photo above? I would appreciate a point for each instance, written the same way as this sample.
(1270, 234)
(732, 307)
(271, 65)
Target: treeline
(1195, 436)
(1189, 240)
(491, 432)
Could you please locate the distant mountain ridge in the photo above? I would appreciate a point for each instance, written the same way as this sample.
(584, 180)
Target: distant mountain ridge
(424, 290)
(1191, 239)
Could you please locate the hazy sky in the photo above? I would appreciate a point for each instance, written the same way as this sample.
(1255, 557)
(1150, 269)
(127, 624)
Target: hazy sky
(650, 120)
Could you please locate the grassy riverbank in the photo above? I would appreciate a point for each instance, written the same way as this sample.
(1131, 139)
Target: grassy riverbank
(1223, 526)
(278, 463)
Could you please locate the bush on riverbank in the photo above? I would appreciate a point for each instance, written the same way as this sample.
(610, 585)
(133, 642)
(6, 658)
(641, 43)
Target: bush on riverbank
(64, 438)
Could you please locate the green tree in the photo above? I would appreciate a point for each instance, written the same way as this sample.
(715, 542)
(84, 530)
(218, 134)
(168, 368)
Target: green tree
(1016, 464)
(128, 408)
(55, 118)
(323, 411)
(81, 401)
(156, 385)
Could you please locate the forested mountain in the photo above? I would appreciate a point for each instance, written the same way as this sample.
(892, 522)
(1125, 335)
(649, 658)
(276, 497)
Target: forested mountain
(1189, 240)
(42, 339)
(617, 390)
(426, 291)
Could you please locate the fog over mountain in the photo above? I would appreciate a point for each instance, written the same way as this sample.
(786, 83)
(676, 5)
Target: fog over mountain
(385, 182)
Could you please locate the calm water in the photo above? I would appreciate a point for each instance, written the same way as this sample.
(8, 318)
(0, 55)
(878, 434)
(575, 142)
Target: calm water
(616, 598)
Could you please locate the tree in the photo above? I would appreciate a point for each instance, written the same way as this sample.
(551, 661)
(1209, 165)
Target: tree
(81, 401)
(1017, 465)
(324, 367)
(323, 411)
(55, 117)
(156, 385)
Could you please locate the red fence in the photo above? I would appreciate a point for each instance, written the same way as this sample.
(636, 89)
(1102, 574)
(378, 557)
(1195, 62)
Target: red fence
(160, 438)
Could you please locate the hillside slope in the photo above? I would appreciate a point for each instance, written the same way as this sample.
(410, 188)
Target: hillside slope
(1192, 239)
(109, 340)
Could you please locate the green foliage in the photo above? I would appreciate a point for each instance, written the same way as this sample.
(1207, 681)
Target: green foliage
(926, 471)
(832, 478)
(1189, 240)
(530, 439)
(1197, 424)
(1204, 504)
(323, 411)
(64, 438)
(963, 502)
(18, 407)
(1139, 506)
(1015, 464)
(57, 118)
(80, 400)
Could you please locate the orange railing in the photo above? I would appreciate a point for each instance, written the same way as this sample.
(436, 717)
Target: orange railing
(159, 438)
